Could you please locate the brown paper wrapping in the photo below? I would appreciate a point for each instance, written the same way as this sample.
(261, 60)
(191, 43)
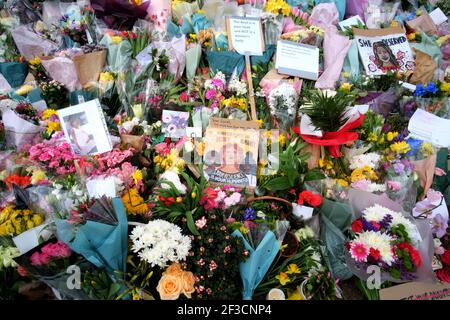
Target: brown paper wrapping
(423, 23)
(89, 66)
(424, 69)
(377, 32)
(313, 160)
(425, 170)
(128, 140)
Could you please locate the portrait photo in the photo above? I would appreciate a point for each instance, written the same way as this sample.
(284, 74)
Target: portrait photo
(85, 128)
(230, 156)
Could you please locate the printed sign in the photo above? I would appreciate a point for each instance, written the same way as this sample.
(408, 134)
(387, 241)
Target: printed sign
(299, 60)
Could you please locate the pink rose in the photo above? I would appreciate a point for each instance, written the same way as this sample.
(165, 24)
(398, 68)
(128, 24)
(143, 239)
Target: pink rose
(394, 185)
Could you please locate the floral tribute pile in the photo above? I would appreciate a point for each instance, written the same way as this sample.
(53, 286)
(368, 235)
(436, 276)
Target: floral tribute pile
(139, 146)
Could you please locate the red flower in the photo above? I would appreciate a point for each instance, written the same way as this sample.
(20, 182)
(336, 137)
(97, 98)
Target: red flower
(357, 226)
(413, 253)
(445, 257)
(184, 97)
(292, 191)
(316, 200)
(310, 198)
(443, 275)
(208, 200)
(167, 201)
(376, 225)
(22, 271)
(375, 254)
(17, 180)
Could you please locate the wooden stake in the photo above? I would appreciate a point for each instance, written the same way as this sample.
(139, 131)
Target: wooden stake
(250, 87)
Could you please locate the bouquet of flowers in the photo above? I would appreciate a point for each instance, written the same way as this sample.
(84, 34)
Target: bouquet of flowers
(386, 238)
(14, 221)
(75, 24)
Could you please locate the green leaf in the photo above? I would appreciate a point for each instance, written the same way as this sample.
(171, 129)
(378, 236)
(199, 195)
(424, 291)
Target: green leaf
(191, 224)
(313, 175)
(279, 183)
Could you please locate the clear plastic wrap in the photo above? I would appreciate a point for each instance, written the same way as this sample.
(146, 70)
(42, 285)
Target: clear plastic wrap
(360, 200)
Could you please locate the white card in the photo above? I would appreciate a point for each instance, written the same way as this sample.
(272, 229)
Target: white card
(194, 132)
(353, 21)
(101, 186)
(145, 56)
(438, 16)
(246, 35)
(411, 87)
(29, 239)
(299, 60)
(40, 105)
(428, 127)
(306, 127)
(302, 212)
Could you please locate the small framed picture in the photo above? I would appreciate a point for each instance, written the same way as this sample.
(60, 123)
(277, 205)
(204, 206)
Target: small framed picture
(231, 152)
(174, 123)
(85, 128)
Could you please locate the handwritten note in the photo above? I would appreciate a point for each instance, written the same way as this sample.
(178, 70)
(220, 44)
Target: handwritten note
(245, 35)
(417, 291)
(299, 60)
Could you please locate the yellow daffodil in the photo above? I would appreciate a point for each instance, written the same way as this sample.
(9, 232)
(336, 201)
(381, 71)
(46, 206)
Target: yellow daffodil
(47, 113)
(400, 147)
(372, 137)
(137, 176)
(346, 87)
(292, 269)
(260, 122)
(445, 87)
(53, 126)
(427, 149)
(391, 135)
(106, 77)
(282, 139)
(283, 277)
(411, 36)
(294, 294)
(35, 61)
(116, 39)
(278, 7)
(342, 182)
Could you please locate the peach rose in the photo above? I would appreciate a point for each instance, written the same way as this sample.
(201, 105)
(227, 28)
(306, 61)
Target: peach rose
(169, 287)
(187, 280)
(174, 269)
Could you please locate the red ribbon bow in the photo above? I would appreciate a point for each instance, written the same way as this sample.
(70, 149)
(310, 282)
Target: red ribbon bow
(333, 140)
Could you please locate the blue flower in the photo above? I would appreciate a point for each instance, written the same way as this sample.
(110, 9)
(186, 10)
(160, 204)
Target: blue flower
(414, 144)
(249, 214)
(431, 88)
(420, 91)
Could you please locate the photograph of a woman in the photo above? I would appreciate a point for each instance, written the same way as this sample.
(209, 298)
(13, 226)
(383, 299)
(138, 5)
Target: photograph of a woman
(384, 58)
(82, 142)
(229, 171)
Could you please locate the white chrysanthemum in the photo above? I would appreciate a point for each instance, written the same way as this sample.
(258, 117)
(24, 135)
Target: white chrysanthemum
(380, 241)
(283, 99)
(376, 213)
(371, 159)
(160, 242)
(411, 229)
(376, 187)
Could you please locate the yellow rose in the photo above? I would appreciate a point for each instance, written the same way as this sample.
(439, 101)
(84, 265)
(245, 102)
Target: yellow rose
(188, 281)
(169, 287)
(174, 269)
